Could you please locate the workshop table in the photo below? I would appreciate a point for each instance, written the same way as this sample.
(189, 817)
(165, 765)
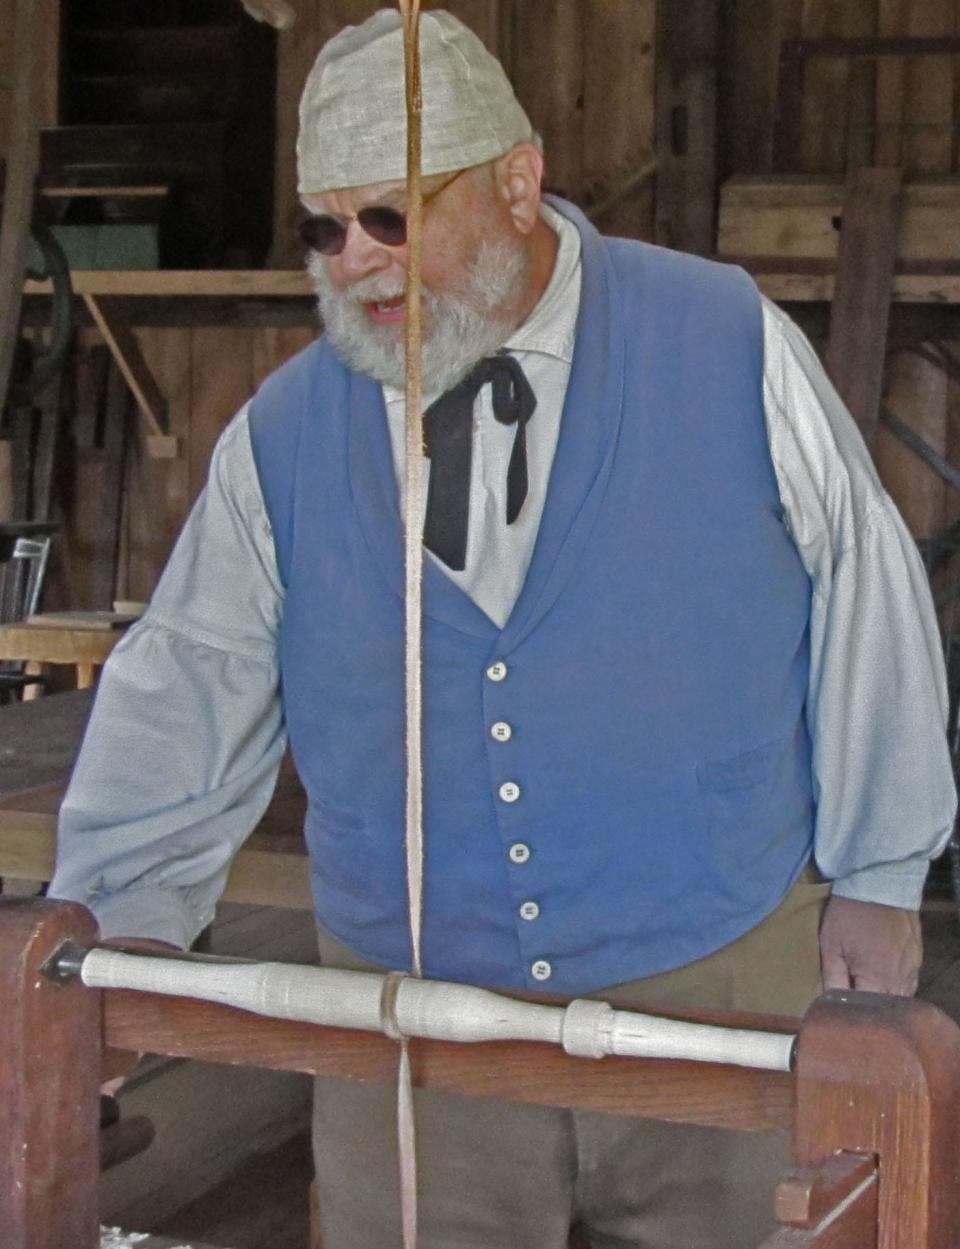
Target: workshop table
(39, 741)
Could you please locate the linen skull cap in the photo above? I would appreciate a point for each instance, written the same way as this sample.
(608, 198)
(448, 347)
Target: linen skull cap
(353, 122)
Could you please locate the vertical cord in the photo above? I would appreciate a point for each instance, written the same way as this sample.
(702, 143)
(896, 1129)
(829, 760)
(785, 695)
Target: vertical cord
(413, 592)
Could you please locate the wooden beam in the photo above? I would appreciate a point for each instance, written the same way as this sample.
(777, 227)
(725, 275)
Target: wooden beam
(103, 192)
(857, 348)
(22, 154)
(686, 126)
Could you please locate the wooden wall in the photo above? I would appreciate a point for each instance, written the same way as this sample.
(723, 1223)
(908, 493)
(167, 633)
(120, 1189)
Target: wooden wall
(912, 102)
(206, 373)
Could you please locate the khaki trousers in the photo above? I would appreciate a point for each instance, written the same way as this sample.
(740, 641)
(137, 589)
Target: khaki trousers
(495, 1175)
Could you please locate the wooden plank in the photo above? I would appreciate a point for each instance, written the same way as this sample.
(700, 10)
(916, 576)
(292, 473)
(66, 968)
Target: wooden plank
(917, 93)
(172, 282)
(49, 439)
(109, 496)
(686, 130)
(618, 122)
(296, 49)
(827, 82)
(157, 495)
(949, 574)
(103, 192)
(784, 286)
(48, 96)
(781, 215)
(856, 351)
(38, 743)
(221, 382)
(548, 74)
(22, 152)
(753, 33)
(50, 1057)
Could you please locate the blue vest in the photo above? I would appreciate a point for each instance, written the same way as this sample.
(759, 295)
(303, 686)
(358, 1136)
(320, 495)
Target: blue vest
(653, 671)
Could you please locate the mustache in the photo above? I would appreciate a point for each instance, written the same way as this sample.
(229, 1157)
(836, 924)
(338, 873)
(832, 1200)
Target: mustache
(364, 290)
(374, 287)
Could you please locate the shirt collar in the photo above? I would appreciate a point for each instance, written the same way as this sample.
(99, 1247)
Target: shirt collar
(551, 328)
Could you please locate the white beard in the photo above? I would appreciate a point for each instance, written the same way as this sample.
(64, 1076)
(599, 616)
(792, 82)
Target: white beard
(463, 327)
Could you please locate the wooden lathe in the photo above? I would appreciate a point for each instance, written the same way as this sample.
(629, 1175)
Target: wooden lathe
(873, 1098)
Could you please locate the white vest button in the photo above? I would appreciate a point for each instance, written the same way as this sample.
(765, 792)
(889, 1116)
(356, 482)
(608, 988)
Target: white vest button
(509, 791)
(519, 852)
(541, 970)
(529, 910)
(497, 671)
(501, 731)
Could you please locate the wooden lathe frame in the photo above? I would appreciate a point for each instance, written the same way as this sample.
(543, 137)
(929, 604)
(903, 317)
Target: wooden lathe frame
(874, 1102)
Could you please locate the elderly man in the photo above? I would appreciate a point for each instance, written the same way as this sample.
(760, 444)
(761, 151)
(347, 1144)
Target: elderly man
(681, 668)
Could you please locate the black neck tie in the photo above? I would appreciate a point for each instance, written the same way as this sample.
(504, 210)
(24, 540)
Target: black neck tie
(448, 429)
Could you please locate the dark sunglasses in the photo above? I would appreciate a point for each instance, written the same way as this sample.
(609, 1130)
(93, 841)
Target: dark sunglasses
(327, 233)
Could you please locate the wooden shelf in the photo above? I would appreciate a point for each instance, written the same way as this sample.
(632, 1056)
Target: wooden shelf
(253, 283)
(797, 285)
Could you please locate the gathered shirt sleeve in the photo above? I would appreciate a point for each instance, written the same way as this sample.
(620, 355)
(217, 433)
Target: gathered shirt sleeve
(186, 735)
(877, 702)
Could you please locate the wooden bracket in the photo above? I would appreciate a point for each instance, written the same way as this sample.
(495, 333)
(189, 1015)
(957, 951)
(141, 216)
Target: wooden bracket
(110, 321)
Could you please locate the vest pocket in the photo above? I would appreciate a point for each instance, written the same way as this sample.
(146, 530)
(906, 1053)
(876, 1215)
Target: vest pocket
(741, 771)
(741, 820)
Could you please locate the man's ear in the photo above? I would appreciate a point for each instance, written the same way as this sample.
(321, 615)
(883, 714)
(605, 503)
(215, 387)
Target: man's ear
(518, 174)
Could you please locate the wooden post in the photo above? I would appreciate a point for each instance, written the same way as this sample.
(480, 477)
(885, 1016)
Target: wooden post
(49, 1084)
(686, 143)
(882, 1076)
(857, 350)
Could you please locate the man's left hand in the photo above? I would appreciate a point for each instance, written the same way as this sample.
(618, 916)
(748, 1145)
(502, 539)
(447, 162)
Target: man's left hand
(865, 945)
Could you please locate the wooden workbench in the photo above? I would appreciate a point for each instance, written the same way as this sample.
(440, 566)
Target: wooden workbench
(38, 743)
